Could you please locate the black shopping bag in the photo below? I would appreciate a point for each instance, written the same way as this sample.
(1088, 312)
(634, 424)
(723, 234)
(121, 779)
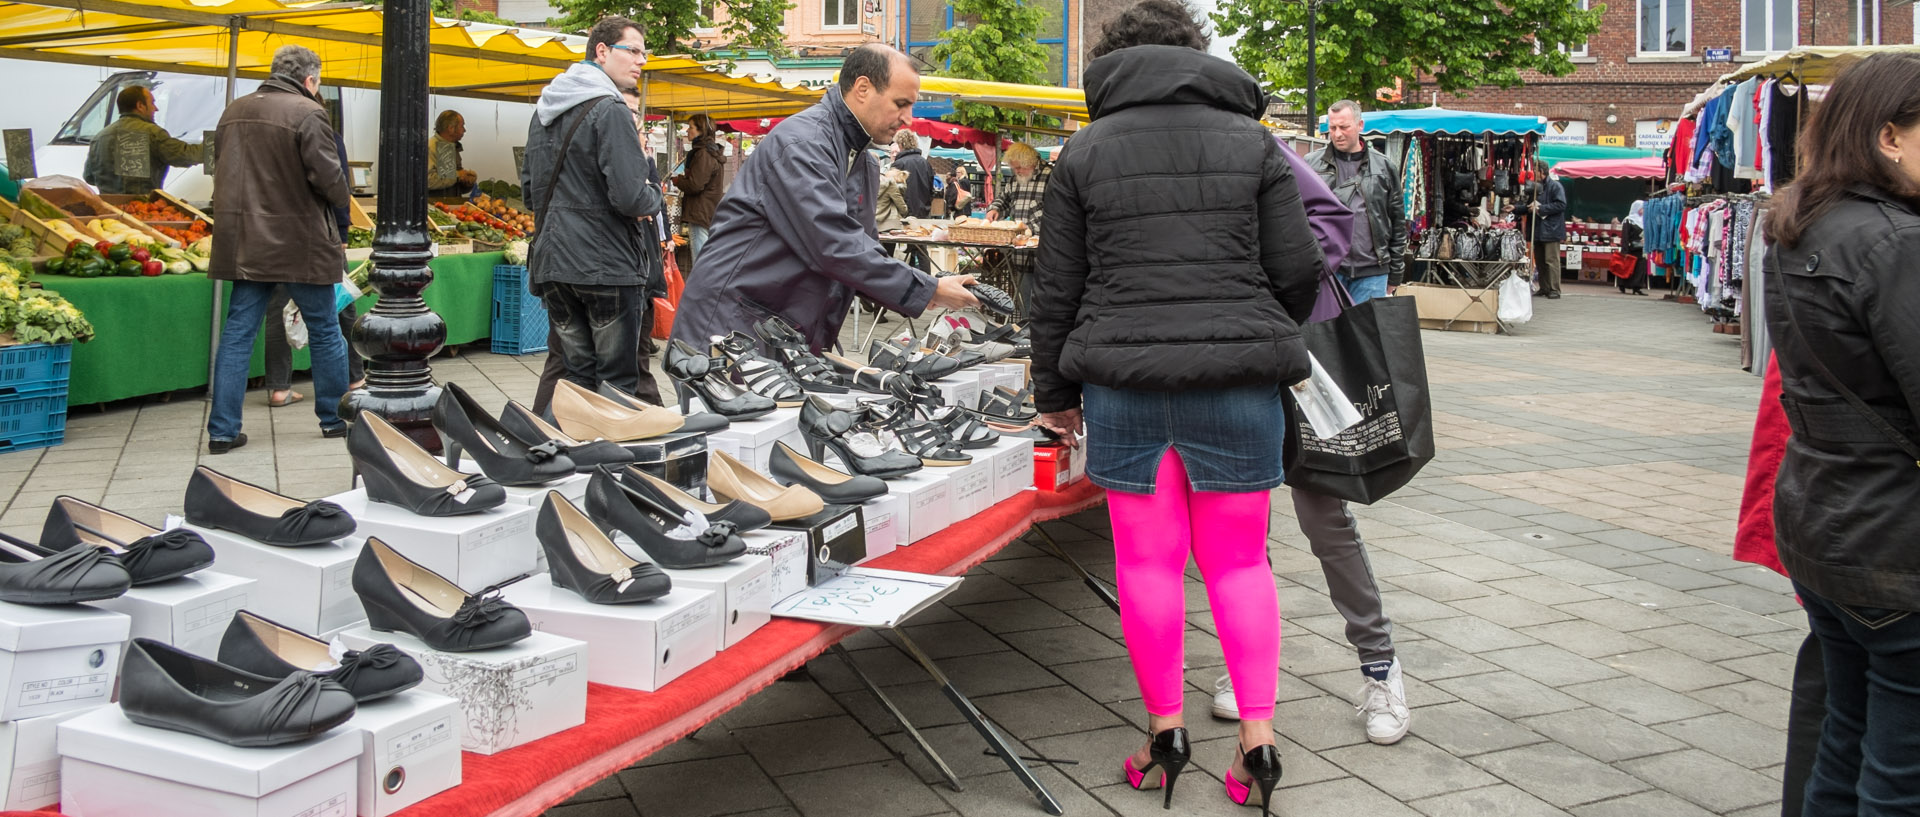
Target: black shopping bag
(1373, 351)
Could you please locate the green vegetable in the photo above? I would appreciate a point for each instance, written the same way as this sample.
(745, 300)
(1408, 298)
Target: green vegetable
(56, 265)
(120, 252)
(127, 268)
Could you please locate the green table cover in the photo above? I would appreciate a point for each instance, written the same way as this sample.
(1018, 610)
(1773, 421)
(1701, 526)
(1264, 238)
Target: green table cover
(151, 333)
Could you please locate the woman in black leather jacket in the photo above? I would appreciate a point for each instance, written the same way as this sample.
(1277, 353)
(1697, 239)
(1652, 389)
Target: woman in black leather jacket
(1843, 305)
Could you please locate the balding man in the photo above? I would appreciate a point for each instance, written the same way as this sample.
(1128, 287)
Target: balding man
(795, 236)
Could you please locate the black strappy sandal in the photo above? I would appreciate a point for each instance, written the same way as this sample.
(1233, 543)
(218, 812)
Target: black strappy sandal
(759, 374)
(925, 439)
(790, 349)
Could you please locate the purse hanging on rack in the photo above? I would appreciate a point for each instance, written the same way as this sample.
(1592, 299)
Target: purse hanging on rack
(1445, 252)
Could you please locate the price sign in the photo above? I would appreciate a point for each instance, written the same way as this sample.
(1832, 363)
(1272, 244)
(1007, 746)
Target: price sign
(19, 153)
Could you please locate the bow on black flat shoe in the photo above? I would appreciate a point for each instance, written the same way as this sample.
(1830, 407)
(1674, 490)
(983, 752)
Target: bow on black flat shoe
(586, 456)
(150, 554)
(168, 688)
(31, 575)
(581, 558)
(263, 647)
(501, 454)
(215, 500)
(400, 595)
(397, 471)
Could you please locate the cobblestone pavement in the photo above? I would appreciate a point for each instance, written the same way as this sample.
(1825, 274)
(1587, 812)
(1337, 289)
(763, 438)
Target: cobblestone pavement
(1576, 638)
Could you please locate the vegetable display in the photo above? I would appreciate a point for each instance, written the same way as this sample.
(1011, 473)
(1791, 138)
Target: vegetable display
(519, 227)
(33, 315)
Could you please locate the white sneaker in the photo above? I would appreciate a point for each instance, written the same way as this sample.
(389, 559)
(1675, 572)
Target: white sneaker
(1224, 707)
(1385, 705)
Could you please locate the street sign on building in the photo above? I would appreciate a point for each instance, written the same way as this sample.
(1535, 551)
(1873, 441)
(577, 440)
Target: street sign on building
(1719, 55)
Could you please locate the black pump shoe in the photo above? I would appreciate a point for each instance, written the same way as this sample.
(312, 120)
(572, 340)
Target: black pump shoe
(759, 374)
(581, 558)
(274, 650)
(836, 488)
(28, 575)
(218, 501)
(743, 516)
(502, 455)
(861, 449)
(586, 456)
(703, 422)
(671, 537)
(1170, 752)
(149, 554)
(168, 688)
(397, 471)
(702, 376)
(400, 595)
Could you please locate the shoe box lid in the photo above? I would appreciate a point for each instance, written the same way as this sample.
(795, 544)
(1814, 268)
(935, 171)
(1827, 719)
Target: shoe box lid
(105, 736)
(26, 627)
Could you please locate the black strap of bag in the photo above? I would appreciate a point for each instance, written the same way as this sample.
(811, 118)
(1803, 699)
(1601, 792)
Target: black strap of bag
(1873, 417)
(560, 162)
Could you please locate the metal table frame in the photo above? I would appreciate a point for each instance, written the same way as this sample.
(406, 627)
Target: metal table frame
(1479, 280)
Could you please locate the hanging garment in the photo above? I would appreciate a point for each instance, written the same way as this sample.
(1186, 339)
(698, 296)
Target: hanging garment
(1745, 129)
(1680, 156)
(1783, 129)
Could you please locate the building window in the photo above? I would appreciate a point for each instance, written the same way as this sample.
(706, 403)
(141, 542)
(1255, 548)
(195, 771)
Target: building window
(1664, 27)
(1768, 26)
(1863, 23)
(929, 20)
(1581, 49)
(706, 9)
(836, 14)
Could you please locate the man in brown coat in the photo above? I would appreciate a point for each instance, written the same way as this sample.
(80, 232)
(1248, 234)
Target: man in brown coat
(280, 180)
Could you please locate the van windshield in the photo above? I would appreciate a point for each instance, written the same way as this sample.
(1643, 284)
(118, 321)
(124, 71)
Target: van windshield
(99, 108)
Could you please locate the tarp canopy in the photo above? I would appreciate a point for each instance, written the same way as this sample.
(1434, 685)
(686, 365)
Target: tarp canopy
(1044, 100)
(1648, 167)
(477, 60)
(1443, 120)
(1815, 63)
(1555, 154)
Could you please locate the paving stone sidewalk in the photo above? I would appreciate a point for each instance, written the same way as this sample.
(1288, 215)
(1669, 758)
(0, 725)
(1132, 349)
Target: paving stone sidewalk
(1575, 636)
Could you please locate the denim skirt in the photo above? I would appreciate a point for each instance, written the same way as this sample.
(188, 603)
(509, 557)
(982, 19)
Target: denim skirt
(1229, 439)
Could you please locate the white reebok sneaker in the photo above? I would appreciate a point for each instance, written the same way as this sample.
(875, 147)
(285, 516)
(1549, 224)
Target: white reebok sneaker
(1384, 703)
(1224, 707)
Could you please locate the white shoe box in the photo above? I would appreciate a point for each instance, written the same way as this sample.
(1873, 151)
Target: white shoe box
(752, 441)
(57, 659)
(410, 750)
(510, 695)
(787, 549)
(640, 646)
(928, 501)
(572, 486)
(742, 591)
(972, 486)
(307, 588)
(993, 375)
(885, 524)
(111, 766)
(1012, 464)
(29, 761)
(190, 612)
(472, 550)
(961, 388)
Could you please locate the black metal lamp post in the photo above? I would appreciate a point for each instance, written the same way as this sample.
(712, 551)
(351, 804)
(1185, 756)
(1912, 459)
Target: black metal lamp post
(1313, 76)
(401, 333)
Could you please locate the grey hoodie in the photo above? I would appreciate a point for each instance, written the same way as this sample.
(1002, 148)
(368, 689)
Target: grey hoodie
(588, 230)
(581, 81)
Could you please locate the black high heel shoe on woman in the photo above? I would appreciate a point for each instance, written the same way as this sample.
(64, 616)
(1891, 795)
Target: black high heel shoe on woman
(696, 375)
(397, 471)
(501, 454)
(861, 449)
(1263, 765)
(1170, 752)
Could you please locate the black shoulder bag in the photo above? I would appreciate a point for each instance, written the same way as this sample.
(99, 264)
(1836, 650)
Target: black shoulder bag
(559, 162)
(1873, 417)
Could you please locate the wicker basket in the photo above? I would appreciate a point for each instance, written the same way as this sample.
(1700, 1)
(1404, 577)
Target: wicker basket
(996, 236)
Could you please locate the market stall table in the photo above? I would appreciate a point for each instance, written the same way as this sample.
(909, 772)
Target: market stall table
(152, 337)
(1480, 280)
(993, 268)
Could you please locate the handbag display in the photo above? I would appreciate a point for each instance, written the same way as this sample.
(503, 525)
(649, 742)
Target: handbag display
(1446, 246)
(1468, 246)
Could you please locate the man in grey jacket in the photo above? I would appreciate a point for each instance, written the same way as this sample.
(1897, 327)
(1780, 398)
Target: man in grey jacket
(795, 236)
(586, 178)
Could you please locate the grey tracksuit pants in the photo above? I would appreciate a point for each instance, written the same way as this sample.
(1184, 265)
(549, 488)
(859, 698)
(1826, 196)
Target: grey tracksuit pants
(1334, 536)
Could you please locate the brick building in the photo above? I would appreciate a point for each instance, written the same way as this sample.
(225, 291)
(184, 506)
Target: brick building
(1630, 81)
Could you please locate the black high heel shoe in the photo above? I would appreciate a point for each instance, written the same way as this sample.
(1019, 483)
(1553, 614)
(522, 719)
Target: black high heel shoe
(834, 487)
(149, 554)
(1263, 765)
(397, 471)
(503, 456)
(274, 650)
(759, 374)
(702, 376)
(860, 449)
(705, 421)
(1170, 753)
(744, 516)
(581, 558)
(670, 536)
(401, 596)
(790, 348)
(586, 456)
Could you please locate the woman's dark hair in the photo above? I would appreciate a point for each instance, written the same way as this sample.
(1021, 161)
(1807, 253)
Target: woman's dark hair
(1152, 22)
(1840, 143)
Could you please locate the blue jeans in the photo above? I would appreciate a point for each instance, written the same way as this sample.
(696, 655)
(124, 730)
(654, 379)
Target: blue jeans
(1229, 438)
(1364, 289)
(1869, 758)
(327, 348)
(696, 241)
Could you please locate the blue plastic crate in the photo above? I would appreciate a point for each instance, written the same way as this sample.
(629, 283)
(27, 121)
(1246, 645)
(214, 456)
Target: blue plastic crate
(34, 367)
(519, 318)
(33, 420)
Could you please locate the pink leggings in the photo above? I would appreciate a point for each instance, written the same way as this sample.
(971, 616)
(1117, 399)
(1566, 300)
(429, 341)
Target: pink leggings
(1227, 535)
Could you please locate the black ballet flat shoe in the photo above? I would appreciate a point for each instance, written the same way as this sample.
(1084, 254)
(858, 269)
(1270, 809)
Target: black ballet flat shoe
(149, 553)
(31, 575)
(272, 650)
(401, 596)
(218, 501)
(582, 559)
(503, 456)
(168, 688)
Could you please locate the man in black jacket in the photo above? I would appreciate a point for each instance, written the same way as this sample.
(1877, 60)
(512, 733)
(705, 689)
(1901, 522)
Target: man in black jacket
(1549, 227)
(586, 178)
(1369, 185)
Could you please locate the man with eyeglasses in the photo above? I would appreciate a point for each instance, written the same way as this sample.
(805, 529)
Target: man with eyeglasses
(585, 177)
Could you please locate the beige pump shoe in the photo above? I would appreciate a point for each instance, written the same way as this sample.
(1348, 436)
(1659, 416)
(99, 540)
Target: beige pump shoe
(584, 415)
(730, 479)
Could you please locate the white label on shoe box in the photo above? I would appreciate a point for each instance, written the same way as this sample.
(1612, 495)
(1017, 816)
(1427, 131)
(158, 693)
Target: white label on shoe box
(412, 750)
(928, 496)
(641, 646)
(788, 550)
(960, 389)
(472, 550)
(1012, 463)
(29, 764)
(972, 487)
(883, 525)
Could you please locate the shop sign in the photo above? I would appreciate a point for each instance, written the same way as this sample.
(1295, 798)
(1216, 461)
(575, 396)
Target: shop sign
(1565, 132)
(1653, 134)
(1719, 55)
(1612, 141)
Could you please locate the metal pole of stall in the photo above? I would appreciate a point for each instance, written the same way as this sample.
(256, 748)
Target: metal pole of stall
(217, 319)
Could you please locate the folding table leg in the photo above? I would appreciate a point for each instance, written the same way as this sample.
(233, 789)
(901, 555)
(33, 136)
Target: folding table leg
(996, 741)
(953, 780)
(1098, 587)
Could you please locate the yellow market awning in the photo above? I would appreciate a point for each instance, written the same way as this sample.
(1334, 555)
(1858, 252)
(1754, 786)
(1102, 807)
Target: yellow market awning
(477, 60)
(1047, 100)
(1818, 64)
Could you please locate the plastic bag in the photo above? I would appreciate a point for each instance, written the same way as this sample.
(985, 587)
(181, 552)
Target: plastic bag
(1322, 404)
(296, 327)
(1516, 299)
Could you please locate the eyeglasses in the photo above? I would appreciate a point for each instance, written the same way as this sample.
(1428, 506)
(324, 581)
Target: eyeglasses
(638, 51)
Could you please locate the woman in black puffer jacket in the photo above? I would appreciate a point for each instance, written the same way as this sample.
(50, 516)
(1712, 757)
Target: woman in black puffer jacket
(1174, 265)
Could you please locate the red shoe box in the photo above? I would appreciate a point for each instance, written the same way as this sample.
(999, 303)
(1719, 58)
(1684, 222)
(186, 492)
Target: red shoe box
(1057, 466)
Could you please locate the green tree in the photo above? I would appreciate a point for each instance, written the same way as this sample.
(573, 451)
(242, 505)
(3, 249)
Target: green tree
(1365, 45)
(453, 10)
(669, 24)
(992, 40)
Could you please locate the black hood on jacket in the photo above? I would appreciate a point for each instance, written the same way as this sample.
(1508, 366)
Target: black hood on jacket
(1170, 75)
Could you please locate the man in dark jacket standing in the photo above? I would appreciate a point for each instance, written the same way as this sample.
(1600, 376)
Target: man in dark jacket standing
(919, 189)
(1368, 184)
(1549, 209)
(796, 237)
(586, 178)
(280, 180)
